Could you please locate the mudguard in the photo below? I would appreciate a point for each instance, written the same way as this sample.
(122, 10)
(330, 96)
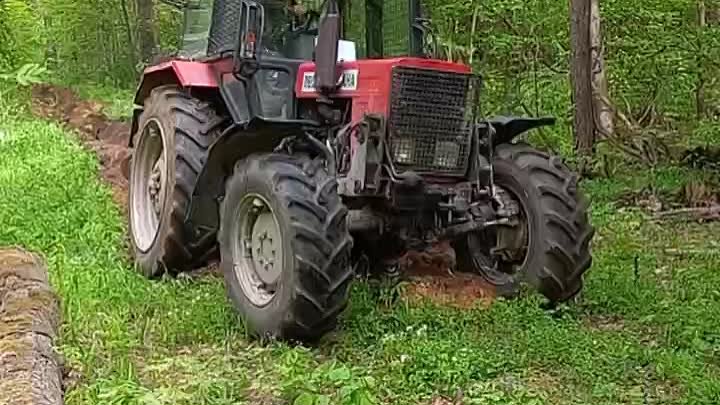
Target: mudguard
(507, 128)
(186, 74)
(237, 142)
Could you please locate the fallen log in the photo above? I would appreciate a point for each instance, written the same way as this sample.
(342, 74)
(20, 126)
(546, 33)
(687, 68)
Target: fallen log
(710, 213)
(30, 372)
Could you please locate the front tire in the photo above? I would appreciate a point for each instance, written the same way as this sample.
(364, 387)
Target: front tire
(295, 286)
(550, 248)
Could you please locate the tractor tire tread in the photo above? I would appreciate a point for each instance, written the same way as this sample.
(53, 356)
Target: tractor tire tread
(568, 231)
(196, 127)
(320, 242)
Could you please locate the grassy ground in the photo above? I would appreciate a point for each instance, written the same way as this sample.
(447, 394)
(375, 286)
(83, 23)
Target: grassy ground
(646, 330)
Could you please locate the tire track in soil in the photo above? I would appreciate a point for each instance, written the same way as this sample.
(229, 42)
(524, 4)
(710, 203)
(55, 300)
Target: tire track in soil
(106, 137)
(429, 271)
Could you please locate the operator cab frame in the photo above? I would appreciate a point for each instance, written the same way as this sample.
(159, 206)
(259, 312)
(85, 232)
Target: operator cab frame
(215, 30)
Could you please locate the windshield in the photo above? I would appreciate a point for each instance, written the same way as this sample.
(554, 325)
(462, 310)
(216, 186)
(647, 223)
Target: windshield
(290, 27)
(211, 26)
(198, 17)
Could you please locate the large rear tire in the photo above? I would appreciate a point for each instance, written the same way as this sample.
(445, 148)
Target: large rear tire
(285, 246)
(174, 134)
(550, 245)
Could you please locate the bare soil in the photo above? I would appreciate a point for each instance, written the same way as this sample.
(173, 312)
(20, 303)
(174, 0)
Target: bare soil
(109, 139)
(433, 278)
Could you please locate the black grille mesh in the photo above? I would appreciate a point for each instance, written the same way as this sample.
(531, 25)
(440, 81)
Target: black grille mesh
(225, 26)
(429, 120)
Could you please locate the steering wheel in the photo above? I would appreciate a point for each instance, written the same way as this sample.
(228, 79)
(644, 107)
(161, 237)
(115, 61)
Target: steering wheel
(310, 17)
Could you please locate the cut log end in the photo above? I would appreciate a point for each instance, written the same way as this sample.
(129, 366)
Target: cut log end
(30, 372)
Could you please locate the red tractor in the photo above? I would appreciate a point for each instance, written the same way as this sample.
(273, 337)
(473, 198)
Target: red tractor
(268, 140)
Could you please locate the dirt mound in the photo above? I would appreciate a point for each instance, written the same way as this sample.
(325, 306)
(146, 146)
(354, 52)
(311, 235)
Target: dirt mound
(30, 371)
(433, 278)
(108, 138)
(460, 291)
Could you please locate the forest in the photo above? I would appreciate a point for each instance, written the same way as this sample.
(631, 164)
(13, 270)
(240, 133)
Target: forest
(635, 88)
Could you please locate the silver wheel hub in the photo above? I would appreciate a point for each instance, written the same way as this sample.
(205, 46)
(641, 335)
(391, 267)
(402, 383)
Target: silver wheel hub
(258, 250)
(156, 185)
(265, 252)
(513, 240)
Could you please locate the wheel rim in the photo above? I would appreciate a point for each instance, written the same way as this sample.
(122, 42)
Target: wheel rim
(512, 243)
(257, 250)
(149, 178)
(500, 253)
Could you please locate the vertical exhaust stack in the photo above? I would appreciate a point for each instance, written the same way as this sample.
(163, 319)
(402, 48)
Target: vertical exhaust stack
(326, 50)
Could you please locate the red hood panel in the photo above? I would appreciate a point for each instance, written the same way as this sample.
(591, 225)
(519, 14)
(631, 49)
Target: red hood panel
(368, 82)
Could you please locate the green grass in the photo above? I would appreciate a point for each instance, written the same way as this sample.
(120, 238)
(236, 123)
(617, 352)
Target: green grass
(645, 334)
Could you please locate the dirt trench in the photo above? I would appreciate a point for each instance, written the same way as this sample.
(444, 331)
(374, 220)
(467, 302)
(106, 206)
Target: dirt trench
(108, 138)
(30, 369)
(430, 270)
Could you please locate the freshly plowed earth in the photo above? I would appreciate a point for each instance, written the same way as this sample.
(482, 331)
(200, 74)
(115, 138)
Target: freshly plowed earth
(432, 278)
(430, 270)
(108, 138)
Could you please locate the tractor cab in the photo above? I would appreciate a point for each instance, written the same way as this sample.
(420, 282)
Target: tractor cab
(266, 41)
(379, 28)
(269, 40)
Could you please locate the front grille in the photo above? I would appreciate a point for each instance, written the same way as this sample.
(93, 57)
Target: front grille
(429, 123)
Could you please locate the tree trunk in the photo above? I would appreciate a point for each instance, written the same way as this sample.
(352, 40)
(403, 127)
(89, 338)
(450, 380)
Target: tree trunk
(30, 372)
(146, 29)
(700, 86)
(128, 29)
(603, 111)
(581, 77)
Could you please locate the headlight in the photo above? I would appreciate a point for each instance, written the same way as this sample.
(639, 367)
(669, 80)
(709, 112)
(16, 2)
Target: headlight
(403, 150)
(447, 154)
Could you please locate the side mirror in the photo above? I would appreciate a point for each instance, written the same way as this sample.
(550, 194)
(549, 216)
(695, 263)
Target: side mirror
(251, 28)
(326, 50)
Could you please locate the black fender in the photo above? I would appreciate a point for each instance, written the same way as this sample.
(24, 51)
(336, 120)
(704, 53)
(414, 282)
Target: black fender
(508, 128)
(236, 143)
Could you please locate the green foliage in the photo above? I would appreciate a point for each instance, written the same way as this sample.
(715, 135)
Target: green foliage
(305, 382)
(21, 34)
(656, 55)
(27, 74)
(655, 58)
(85, 40)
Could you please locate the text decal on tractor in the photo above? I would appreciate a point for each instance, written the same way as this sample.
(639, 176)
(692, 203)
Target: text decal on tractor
(295, 163)
(349, 81)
